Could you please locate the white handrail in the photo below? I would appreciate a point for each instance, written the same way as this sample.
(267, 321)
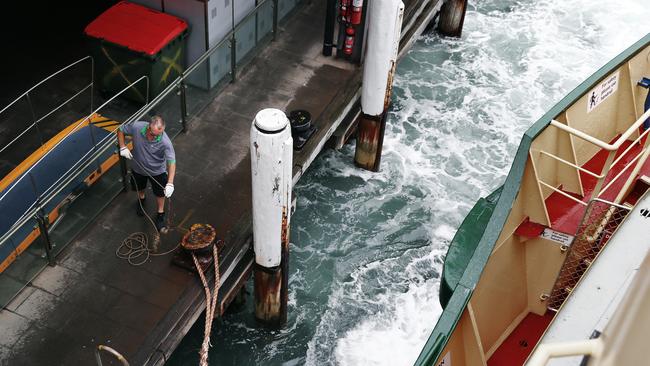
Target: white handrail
(560, 192)
(587, 171)
(621, 172)
(599, 143)
(633, 175)
(630, 148)
(547, 351)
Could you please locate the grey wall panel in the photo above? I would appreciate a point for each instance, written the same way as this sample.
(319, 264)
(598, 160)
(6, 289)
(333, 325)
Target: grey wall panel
(284, 7)
(243, 7)
(264, 21)
(219, 20)
(246, 38)
(193, 12)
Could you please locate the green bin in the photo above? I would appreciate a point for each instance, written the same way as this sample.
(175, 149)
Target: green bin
(129, 41)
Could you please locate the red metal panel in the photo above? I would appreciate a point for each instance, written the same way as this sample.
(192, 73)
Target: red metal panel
(529, 229)
(516, 348)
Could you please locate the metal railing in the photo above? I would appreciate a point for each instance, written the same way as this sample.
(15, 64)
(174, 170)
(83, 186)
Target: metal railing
(35, 213)
(599, 190)
(37, 120)
(598, 223)
(36, 209)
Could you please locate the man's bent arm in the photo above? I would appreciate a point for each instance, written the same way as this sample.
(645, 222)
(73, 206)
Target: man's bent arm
(171, 172)
(120, 138)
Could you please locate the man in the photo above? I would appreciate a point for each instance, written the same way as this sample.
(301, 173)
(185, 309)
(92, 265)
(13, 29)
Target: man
(154, 159)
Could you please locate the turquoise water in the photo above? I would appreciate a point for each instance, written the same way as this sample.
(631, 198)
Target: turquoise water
(367, 248)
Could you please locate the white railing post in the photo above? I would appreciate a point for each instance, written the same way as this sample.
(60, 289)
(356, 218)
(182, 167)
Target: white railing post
(545, 352)
(603, 174)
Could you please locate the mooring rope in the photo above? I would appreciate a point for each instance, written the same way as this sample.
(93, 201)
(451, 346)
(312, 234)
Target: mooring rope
(136, 245)
(210, 303)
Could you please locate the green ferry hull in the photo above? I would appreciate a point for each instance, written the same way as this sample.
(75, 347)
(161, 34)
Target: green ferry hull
(477, 236)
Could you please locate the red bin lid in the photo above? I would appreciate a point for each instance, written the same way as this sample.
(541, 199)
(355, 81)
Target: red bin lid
(136, 27)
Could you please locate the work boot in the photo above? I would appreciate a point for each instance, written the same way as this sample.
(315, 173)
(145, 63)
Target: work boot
(160, 221)
(139, 206)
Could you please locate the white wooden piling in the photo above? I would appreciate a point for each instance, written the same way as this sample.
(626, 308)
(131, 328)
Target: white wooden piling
(384, 29)
(271, 170)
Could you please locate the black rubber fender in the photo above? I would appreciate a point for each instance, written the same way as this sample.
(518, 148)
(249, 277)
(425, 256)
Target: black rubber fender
(452, 17)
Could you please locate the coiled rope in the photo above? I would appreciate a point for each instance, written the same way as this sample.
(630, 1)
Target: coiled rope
(136, 245)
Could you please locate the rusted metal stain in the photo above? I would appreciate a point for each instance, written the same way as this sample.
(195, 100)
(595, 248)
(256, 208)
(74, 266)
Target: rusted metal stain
(369, 141)
(200, 236)
(267, 285)
(284, 236)
(284, 266)
(389, 86)
(271, 284)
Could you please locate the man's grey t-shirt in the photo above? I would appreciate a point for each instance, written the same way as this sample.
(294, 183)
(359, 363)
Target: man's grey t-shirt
(152, 156)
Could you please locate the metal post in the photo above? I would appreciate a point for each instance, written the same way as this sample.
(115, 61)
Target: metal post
(233, 46)
(182, 87)
(31, 109)
(603, 173)
(385, 24)
(233, 58)
(271, 165)
(257, 22)
(275, 19)
(43, 224)
(330, 19)
(632, 177)
(92, 83)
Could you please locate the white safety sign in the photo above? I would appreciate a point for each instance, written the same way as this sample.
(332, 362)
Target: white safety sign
(604, 90)
(556, 236)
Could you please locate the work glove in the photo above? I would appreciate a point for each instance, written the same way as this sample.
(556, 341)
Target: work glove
(169, 189)
(125, 152)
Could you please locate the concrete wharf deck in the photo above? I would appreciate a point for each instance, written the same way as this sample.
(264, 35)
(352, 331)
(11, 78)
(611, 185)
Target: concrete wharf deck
(92, 297)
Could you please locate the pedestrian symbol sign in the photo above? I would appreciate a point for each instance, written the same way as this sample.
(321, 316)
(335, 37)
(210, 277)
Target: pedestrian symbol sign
(604, 90)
